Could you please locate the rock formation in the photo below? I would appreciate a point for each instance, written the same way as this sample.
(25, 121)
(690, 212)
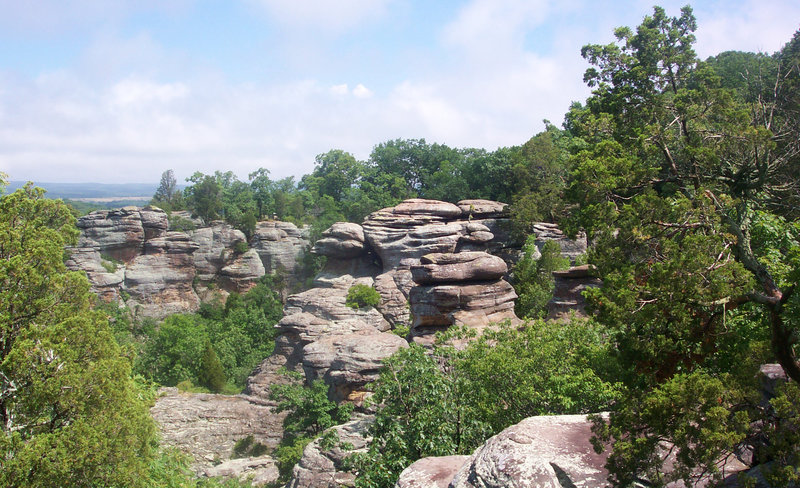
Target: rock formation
(128, 254)
(207, 426)
(322, 468)
(464, 288)
(551, 451)
(567, 294)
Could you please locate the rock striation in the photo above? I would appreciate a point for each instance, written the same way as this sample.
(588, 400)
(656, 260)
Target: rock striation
(207, 426)
(464, 288)
(130, 255)
(323, 467)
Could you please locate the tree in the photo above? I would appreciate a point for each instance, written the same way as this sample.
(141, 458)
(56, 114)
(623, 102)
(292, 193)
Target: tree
(71, 414)
(533, 277)
(211, 374)
(167, 195)
(679, 191)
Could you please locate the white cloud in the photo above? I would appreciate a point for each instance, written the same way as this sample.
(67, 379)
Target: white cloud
(133, 91)
(361, 91)
(756, 25)
(340, 89)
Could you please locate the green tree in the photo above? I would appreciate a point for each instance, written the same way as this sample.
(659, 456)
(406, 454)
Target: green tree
(204, 196)
(533, 277)
(167, 195)
(681, 177)
(211, 374)
(422, 414)
(71, 415)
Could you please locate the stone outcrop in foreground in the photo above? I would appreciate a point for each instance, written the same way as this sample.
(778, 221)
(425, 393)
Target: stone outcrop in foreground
(547, 451)
(207, 426)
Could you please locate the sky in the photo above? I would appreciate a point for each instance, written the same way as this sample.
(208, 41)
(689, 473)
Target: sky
(118, 91)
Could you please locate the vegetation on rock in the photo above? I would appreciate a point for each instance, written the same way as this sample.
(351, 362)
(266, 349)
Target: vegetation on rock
(361, 296)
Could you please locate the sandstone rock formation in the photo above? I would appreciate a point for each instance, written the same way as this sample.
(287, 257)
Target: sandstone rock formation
(460, 289)
(547, 451)
(159, 281)
(322, 468)
(128, 254)
(431, 472)
(543, 451)
(281, 246)
(568, 292)
(207, 426)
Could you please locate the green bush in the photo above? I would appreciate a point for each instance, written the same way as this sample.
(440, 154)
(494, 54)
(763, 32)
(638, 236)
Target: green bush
(248, 447)
(211, 374)
(240, 247)
(361, 296)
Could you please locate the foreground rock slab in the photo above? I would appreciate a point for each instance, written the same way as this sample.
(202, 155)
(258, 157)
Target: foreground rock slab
(546, 452)
(207, 426)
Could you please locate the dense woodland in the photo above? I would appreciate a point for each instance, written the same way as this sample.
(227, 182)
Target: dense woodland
(682, 172)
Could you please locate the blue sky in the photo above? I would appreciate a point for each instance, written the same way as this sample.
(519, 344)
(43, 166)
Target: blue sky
(121, 90)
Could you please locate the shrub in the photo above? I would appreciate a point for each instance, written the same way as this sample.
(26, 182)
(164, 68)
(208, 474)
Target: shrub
(361, 296)
(211, 374)
(240, 247)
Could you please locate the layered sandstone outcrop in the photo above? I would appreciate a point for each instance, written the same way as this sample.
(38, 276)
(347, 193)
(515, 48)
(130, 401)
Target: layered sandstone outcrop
(464, 288)
(206, 427)
(130, 255)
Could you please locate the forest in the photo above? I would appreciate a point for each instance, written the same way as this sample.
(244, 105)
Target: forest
(682, 172)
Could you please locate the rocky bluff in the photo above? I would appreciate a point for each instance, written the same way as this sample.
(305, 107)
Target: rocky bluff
(131, 254)
(434, 264)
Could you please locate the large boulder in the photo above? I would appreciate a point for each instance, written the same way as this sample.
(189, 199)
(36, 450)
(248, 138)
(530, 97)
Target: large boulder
(547, 451)
(463, 266)
(323, 467)
(159, 281)
(242, 271)
(342, 240)
(568, 292)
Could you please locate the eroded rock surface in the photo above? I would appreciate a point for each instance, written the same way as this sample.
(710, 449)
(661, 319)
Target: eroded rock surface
(431, 472)
(129, 254)
(322, 468)
(547, 451)
(207, 426)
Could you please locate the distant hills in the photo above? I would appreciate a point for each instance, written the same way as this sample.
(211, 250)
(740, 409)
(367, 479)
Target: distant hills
(93, 191)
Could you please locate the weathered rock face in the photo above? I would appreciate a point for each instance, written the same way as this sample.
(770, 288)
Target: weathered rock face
(343, 240)
(567, 294)
(324, 338)
(322, 468)
(214, 249)
(460, 289)
(118, 234)
(349, 362)
(281, 246)
(207, 426)
(539, 451)
(159, 281)
(431, 472)
(549, 451)
(130, 253)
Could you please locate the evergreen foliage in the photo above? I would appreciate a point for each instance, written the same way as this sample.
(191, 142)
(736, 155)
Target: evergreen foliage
(211, 374)
(533, 278)
(71, 414)
(362, 296)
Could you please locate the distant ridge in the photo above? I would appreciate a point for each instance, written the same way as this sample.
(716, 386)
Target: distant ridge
(91, 190)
